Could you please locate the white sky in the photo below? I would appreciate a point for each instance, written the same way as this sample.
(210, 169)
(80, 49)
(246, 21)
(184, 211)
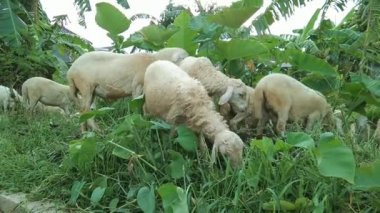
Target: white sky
(99, 38)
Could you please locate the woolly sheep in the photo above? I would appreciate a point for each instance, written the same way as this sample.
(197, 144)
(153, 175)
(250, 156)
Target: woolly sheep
(8, 98)
(171, 94)
(112, 75)
(229, 90)
(289, 99)
(47, 92)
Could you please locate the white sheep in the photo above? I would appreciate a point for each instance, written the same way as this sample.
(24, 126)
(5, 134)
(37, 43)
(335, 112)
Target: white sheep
(113, 75)
(228, 89)
(8, 98)
(171, 94)
(288, 99)
(47, 92)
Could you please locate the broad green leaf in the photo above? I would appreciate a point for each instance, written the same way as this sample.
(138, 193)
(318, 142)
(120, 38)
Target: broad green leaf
(263, 21)
(265, 145)
(160, 125)
(174, 199)
(235, 15)
(177, 165)
(113, 204)
(186, 138)
(123, 3)
(111, 19)
(300, 139)
(11, 24)
(157, 34)
(99, 182)
(323, 84)
(75, 191)
(87, 115)
(240, 48)
(335, 159)
(121, 153)
(131, 122)
(136, 104)
(309, 63)
(280, 145)
(207, 31)
(82, 152)
(373, 85)
(185, 36)
(309, 27)
(146, 199)
(97, 195)
(368, 177)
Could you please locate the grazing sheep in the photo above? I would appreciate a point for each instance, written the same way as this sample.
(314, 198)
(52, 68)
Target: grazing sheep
(112, 75)
(171, 94)
(288, 99)
(47, 92)
(229, 90)
(8, 97)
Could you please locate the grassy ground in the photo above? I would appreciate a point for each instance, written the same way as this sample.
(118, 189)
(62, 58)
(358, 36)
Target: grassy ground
(135, 164)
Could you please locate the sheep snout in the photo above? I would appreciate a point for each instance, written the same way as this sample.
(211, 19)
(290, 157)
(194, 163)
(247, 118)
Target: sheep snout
(229, 143)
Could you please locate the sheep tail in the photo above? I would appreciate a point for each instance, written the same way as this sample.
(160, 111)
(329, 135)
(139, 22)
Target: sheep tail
(73, 87)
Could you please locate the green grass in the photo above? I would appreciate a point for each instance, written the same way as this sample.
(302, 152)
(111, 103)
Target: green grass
(132, 160)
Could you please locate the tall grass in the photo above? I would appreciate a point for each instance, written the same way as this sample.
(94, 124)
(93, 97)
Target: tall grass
(135, 164)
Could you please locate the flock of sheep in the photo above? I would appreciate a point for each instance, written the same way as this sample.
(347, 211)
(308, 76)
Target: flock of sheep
(179, 89)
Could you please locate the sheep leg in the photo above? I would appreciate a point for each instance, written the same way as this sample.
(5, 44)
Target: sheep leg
(87, 100)
(262, 122)
(282, 117)
(32, 104)
(311, 119)
(5, 105)
(235, 120)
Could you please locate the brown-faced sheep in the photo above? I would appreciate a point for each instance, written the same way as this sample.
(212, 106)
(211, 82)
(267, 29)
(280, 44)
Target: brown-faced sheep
(171, 94)
(288, 99)
(112, 75)
(229, 90)
(47, 92)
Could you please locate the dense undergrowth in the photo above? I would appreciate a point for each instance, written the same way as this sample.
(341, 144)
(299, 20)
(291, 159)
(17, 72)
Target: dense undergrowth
(135, 164)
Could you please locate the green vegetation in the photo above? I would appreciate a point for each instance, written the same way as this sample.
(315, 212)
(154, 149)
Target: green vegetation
(136, 164)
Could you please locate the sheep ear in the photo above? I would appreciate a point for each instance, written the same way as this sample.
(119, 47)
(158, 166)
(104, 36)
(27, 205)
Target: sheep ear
(226, 96)
(138, 91)
(213, 153)
(177, 58)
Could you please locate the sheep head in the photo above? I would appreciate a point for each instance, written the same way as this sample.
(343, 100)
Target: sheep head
(236, 95)
(173, 54)
(228, 143)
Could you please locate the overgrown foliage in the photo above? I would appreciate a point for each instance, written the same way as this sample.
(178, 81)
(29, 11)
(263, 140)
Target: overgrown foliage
(31, 46)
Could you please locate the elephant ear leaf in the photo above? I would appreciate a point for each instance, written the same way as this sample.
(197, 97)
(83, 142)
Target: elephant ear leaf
(11, 24)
